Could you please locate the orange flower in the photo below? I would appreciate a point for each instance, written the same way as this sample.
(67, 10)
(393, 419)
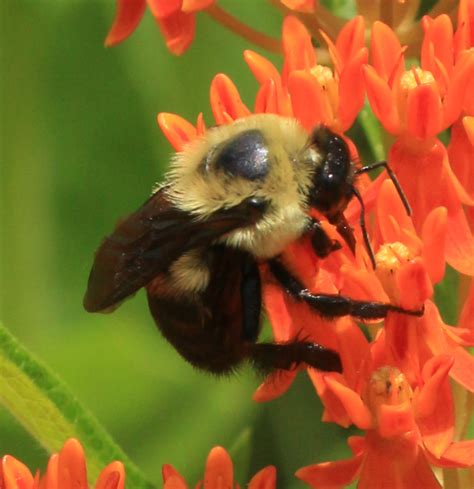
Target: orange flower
(461, 145)
(219, 474)
(400, 15)
(66, 470)
(292, 319)
(407, 429)
(408, 265)
(176, 19)
(415, 105)
(313, 93)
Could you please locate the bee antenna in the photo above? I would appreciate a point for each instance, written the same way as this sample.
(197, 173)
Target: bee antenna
(384, 164)
(368, 246)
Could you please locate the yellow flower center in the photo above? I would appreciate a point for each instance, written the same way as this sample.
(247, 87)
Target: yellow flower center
(389, 259)
(323, 74)
(387, 386)
(416, 77)
(329, 84)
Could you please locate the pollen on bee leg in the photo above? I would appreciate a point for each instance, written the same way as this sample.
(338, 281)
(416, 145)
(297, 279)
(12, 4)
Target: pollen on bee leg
(389, 259)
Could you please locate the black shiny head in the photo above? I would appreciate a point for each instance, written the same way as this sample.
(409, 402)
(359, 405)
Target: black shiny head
(245, 155)
(334, 177)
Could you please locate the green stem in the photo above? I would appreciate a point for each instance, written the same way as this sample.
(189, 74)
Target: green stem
(45, 406)
(371, 127)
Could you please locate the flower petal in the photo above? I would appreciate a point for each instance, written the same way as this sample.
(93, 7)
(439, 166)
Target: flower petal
(127, 17)
(434, 405)
(461, 154)
(219, 470)
(395, 420)
(297, 46)
(434, 243)
(264, 479)
(178, 30)
(386, 51)
(390, 204)
(351, 89)
(381, 100)
(164, 8)
(424, 111)
(14, 474)
(437, 46)
(414, 284)
(459, 454)
(174, 482)
(309, 101)
(112, 477)
(262, 69)
(398, 464)
(177, 130)
(50, 479)
(353, 349)
(168, 471)
(459, 92)
(72, 472)
(331, 475)
(334, 409)
(353, 404)
(463, 369)
(266, 101)
(460, 242)
(225, 100)
(351, 39)
(464, 38)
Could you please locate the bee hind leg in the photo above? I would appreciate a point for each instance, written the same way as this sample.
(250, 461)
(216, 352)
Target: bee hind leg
(266, 357)
(334, 305)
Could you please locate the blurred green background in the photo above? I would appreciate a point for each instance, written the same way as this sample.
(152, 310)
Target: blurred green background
(80, 148)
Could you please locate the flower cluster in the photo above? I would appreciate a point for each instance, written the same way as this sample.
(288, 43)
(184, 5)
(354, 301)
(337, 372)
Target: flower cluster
(65, 470)
(395, 386)
(219, 473)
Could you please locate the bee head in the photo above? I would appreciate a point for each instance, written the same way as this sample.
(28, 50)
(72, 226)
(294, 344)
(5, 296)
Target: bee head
(332, 184)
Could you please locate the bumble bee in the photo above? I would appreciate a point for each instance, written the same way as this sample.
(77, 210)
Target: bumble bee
(232, 199)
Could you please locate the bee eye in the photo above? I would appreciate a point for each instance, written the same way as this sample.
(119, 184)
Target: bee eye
(246, 156)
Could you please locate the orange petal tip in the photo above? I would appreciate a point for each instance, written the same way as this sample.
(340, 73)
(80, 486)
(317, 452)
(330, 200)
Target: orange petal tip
(264, 479)
(14, 474)
(219, 469)
(127, 17)
(177, 130)
(178, 30)
(225, 100)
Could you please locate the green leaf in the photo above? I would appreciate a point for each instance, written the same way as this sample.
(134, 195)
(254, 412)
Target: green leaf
(50, 412)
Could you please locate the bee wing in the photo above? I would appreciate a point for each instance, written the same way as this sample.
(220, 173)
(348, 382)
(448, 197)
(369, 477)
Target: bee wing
(148, 241)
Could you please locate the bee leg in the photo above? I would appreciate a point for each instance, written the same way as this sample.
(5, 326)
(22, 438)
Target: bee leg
(334, 305)
(323, 245)
(266, 357)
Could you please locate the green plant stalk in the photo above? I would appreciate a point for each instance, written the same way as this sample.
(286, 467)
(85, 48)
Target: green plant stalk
(373, 133)
(46, 407)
